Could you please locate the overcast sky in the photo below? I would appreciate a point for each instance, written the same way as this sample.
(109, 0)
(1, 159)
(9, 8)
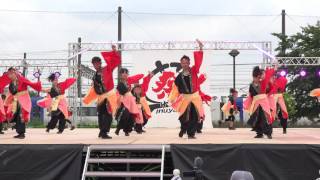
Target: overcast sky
(26, 31)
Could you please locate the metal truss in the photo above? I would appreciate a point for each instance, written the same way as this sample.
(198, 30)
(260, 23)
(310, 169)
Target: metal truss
(73, 99)
(86, 72)
(298, 61)
(176, 45)
(33, 62)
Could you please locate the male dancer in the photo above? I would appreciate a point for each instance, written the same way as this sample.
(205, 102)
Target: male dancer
(18, 100)
(185, 98)
(257, 103)
(56, 103)
(103, 90)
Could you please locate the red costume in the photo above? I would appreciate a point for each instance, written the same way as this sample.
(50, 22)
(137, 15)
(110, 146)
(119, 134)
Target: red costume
(21, 96)
(185, 98)
(4, 81)
(60, 102)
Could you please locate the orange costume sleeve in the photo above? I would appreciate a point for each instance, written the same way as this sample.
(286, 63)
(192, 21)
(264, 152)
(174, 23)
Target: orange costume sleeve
(90, 97)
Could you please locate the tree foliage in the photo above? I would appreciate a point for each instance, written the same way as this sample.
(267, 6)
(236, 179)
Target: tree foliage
(302, 44)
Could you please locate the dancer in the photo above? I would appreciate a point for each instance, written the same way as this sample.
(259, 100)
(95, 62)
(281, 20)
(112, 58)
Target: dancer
(315, 93)
(4, 81)
(128, 112)
(184, 96)
(56, 103)
(257, 103)
(206, 99)
(139, 92)
(278, 88)
(103, 90)
(230, 108)
(18, 100)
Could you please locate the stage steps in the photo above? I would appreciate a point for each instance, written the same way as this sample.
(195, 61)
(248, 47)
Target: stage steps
(125, 156)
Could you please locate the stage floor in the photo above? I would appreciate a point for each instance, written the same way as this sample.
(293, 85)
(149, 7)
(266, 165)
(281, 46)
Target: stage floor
(164, 136)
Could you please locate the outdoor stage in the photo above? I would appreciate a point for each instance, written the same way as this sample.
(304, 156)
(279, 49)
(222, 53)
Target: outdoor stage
(164, 136)
(44, 155)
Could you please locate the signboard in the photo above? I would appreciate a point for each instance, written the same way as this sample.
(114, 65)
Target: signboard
(165, 65)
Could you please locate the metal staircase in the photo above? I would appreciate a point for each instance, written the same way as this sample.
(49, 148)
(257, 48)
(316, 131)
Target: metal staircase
(127, 155)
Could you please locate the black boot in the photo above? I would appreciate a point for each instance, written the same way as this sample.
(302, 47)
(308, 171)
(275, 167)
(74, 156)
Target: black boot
(181, 133)
(100, 134)
(20, 136)
(259, 136)
(284, 131)
(117, 131)
(1, 127)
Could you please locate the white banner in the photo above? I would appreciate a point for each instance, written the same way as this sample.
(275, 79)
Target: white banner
(165, 65)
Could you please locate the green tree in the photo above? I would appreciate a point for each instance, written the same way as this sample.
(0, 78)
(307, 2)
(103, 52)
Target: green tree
(302, 44)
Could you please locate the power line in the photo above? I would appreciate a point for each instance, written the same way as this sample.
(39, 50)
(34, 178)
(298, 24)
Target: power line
(133, 21)
(304, 16)
(54, 12)
(189, 14)
(144, 13)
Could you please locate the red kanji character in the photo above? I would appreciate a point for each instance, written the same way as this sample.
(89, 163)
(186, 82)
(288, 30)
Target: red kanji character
(164, 84)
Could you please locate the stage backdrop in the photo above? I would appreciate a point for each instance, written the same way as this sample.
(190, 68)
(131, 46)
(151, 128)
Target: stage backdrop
(264, 161)
(165, 65)
(39, 162)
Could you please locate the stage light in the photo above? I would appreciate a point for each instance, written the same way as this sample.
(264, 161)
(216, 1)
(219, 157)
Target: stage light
(303, 73)
(283, 72)
(318, 73)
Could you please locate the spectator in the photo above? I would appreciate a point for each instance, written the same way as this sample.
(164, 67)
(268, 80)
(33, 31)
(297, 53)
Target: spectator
(241, 175)
(176, 175)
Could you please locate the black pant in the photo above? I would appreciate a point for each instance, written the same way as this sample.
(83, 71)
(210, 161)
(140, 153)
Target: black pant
(231, 118)
(68, 121)
(20, 124)
(55, 117)
(1, 126)
(138, 128)
(189, 120)
(125, 119)
(283, 121)
(104, 117)
(199, 126)
(145, 119)
(262, 126)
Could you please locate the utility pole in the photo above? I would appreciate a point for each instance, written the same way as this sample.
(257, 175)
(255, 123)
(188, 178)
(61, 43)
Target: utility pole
(283, 30)
(24, 64)
(79, 70)
(79, 80)
(119, 38)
